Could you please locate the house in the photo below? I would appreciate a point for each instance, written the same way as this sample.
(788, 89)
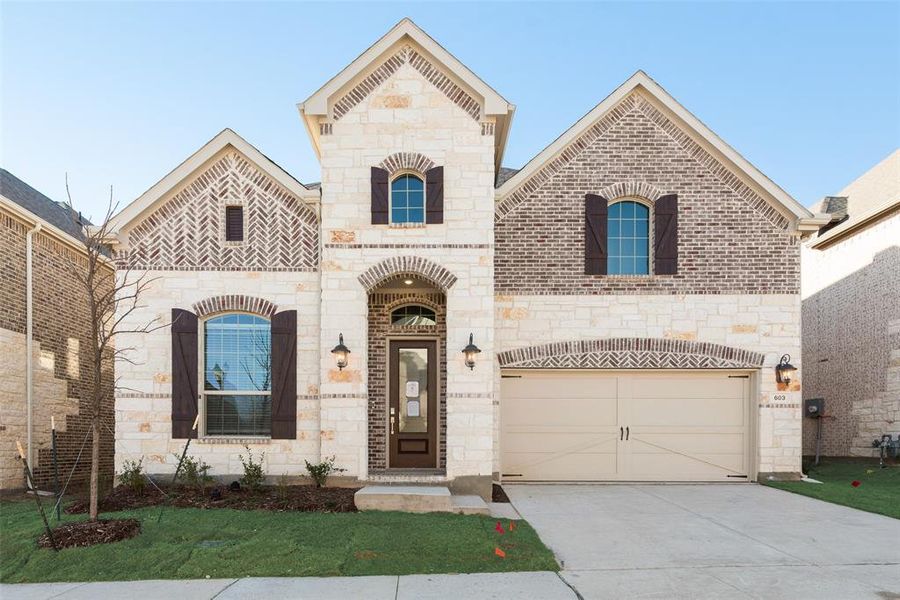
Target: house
(851, 315)
(624, 297)
(44, 343)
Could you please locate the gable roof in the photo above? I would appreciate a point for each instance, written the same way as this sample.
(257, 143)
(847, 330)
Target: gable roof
(224, 139)
(317, 106)
(802, 218)
(873, 195)
(55, 213)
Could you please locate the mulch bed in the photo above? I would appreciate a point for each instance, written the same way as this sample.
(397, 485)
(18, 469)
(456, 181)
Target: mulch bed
(88, 533)
(498, 495)
(301, 498)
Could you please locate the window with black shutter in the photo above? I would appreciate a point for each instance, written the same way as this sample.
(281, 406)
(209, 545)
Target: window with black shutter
(234, 223)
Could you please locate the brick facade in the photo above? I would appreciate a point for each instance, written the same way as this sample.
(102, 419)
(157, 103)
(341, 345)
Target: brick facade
(61, 361)
(381, 304)
(730, 240)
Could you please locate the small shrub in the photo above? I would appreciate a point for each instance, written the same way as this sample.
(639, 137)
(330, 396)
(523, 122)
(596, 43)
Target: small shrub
(320, 472)
(253, 470)
(195, 472)
(132, 476)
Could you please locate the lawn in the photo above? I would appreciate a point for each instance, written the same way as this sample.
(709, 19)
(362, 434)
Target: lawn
(196, 543)
(878, 490)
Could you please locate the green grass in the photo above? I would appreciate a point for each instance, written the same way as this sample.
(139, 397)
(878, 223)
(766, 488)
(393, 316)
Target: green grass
(878, 492)
(261, 543)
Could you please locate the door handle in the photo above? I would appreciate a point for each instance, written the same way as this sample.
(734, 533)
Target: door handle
(627, 433)
(621, 433)
(392, 425)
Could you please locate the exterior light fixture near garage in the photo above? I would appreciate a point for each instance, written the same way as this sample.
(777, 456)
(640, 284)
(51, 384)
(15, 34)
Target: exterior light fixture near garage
(784, 371)
(470, 352)
(340, 353)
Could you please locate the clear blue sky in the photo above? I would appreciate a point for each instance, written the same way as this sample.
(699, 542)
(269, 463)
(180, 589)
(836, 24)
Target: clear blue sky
(120, 93)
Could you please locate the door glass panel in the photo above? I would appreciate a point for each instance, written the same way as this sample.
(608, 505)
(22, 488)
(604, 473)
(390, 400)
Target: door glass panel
(413, 366)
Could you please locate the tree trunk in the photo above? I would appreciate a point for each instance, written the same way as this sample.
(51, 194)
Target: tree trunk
(95, 465)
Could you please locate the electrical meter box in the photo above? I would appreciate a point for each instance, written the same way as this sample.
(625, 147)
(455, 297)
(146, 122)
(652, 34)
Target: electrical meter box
(814, 407)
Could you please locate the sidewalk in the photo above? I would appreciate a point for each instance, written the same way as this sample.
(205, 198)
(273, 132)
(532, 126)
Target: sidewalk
(544, 585)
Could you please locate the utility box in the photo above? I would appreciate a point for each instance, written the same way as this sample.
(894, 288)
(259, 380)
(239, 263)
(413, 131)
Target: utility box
(814, 407)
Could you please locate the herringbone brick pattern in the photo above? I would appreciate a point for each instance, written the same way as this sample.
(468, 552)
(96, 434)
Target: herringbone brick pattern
(631, 353)
(187, 232)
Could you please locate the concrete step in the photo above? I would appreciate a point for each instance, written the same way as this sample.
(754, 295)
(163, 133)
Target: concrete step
(405, 498)
(470, 505)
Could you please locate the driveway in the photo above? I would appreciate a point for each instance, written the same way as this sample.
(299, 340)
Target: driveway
(712, 541)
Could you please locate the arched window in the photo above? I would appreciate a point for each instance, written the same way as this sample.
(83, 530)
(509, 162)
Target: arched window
(413, 314)
(237, 375)
(628, 238)
(407, 199)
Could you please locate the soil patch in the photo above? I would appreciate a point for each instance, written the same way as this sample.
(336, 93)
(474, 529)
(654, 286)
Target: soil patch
(89, 533)
(498, 495)
(303, 498)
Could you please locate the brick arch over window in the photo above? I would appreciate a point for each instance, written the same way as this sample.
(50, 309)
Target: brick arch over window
(401, 161)
(402, 265)
(234, 302)
(630, 353)
(631, 189)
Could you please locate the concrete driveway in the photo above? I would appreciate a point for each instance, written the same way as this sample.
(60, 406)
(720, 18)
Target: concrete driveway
(712, 541)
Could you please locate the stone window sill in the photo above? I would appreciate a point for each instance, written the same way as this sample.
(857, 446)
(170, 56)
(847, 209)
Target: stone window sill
(407, 225)
(234, 440)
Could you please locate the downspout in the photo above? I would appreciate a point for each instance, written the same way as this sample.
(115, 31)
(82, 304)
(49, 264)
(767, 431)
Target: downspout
(29, 330)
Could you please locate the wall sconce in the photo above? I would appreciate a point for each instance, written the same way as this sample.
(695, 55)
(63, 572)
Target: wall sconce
(340, 353)
(784, 370)
(470, 351)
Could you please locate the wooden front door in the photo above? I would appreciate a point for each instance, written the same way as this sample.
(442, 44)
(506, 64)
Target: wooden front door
(412, 404)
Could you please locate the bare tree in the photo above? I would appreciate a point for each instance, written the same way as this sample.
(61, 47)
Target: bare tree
(111, 298)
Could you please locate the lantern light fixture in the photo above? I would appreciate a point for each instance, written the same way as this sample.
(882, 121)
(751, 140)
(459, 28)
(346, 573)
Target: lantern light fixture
(784, 370)
(470, 352)
(340, 353)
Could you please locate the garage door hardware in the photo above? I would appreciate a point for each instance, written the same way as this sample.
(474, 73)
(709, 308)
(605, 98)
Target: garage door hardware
(625, 433)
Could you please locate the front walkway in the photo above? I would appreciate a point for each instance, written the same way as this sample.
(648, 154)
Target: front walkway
(712, 541)
(481, 586)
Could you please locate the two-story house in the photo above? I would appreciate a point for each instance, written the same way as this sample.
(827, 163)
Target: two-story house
(624, 298)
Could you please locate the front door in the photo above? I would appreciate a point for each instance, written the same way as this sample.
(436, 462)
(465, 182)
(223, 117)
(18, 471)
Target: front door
(412, 404)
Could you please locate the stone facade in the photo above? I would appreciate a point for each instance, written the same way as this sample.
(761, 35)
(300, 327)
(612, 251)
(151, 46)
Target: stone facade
(506, 267)
(851, 339)
(61, 366)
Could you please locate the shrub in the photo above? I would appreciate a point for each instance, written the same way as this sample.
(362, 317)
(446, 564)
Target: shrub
(253, 470)
(195, 472)
(320, 472)
(132, 476)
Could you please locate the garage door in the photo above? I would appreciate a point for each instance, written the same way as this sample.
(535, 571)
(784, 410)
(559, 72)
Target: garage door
(628, 426)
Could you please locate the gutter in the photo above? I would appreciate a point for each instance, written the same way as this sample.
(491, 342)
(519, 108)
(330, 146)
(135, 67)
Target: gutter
(29, 342)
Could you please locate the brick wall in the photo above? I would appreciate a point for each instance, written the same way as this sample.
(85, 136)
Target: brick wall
(381, 304)
(61, 365)
(728, 240)
(851, 339)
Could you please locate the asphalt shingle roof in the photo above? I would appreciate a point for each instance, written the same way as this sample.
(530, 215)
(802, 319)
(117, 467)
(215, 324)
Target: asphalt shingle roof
(33, 201)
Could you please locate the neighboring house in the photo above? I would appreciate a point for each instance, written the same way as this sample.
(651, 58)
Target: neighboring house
(631, 290)
(851, 314)
(58, 325)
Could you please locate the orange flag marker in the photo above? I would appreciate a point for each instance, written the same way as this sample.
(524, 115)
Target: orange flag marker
(512, 526)
(499, 552)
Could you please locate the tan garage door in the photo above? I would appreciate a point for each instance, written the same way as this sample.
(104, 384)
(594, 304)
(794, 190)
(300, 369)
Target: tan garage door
(628, 426)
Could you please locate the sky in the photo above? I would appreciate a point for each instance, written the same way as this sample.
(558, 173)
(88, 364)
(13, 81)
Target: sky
(118, 94)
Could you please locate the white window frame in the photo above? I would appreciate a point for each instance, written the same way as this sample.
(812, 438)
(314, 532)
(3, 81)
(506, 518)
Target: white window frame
(394, 177)
(650, 235)
(201, 380)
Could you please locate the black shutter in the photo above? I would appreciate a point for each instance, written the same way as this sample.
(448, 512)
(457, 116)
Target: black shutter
(595, 235)
(234, 223)
(284, 375)
(665, 227)
(379, 196)
(184, 373)
(434, 195)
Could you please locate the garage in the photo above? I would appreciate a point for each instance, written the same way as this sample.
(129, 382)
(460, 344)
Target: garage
(625, 426)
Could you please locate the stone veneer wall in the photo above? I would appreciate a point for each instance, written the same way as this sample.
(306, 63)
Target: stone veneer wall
(757, 324)
(61, 362)
(405, 110)
(381, 304)
(851, 339)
